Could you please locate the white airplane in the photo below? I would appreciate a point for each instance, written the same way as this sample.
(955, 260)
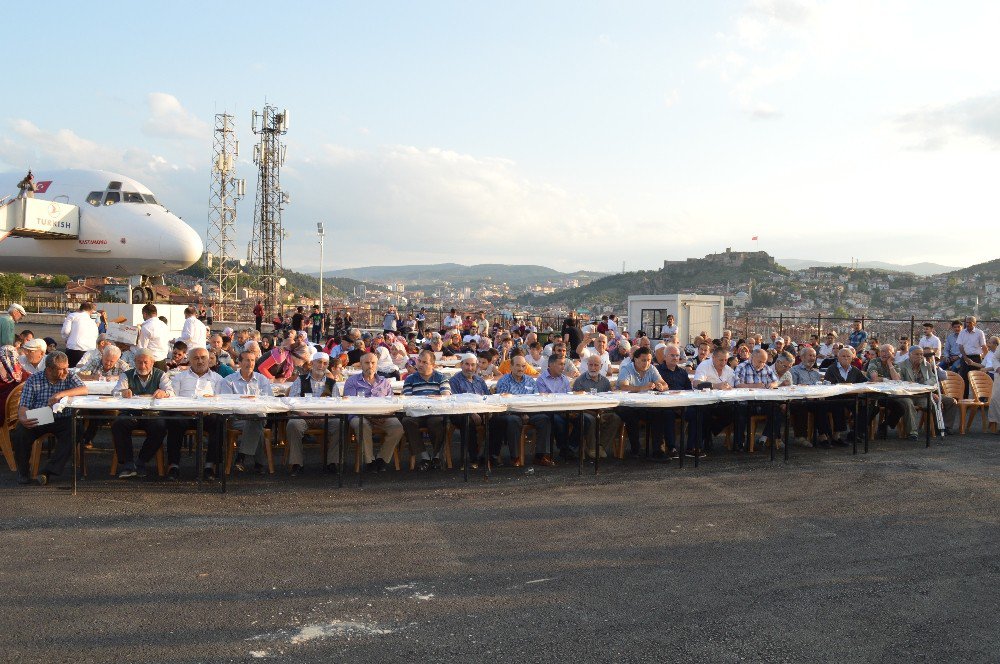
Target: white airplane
(124, 231)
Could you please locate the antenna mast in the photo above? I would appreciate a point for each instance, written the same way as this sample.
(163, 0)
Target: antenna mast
(226, 190)
(265, 244)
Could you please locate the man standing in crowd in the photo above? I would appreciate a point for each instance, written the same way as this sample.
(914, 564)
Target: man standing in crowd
(316, 320)
(258, 314)
(194, 333)
(144, 380)
(198, 380)
(452, 320)
(79, 331)
(858, 336)
(424, 383)
(154, 336)
(390, 320)
(15, 312)
(298, 319)
(930, 340)
(43, 390)
(367, 384)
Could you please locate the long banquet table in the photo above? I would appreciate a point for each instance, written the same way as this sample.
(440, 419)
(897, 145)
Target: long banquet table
(465, 404)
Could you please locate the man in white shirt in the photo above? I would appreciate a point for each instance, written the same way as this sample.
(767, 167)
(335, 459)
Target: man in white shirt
(612, 325)
(716, 371)
(194, 333)
(668, 331)
(930, 340)
(153, 334)
(197, 381)
(80, 333)
(246, 381)
(318, 383)
(972, 345)
(600, 349)
(827, 352)
(452, 320)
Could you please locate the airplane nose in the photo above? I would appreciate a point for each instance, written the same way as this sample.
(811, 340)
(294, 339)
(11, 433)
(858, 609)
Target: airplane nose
(181, 245)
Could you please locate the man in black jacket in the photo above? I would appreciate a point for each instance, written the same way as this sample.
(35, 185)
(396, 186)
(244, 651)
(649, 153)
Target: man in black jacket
(842, 371)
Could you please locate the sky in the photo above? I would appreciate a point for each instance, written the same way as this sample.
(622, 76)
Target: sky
(577, 135)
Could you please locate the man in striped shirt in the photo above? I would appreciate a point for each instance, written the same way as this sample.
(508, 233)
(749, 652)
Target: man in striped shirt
(426, 382)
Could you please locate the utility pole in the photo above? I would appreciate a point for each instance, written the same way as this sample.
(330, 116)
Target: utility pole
(266, 242)
(227, 189)
(322, 241)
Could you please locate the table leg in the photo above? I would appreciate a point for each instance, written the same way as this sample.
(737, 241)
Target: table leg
(465, 445)
(199, 462)
(681, 445)
(857, 427)
(788, 416)
(361, 449)
(340, 452)
(72, 426)
(770, 419)
(583, 443)
(597, 442)
(930, 414)
(487, 448)
(221, 425)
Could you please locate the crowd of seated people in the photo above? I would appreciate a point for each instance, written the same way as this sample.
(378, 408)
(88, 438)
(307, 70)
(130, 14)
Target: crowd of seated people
(513, 357)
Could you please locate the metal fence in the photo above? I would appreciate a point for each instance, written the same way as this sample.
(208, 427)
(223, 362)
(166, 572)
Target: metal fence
(885, 330)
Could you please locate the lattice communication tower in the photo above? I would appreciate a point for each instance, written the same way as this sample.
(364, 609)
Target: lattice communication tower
(265, 244)
(227, 189)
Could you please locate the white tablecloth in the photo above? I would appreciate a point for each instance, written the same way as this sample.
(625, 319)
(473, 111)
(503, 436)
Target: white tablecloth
(456, 404)
(347, 405)
(540, 403)
(672, 399)
(226, 403)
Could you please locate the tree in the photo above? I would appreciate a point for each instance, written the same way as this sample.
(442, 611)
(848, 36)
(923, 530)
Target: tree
(11, 287)
(58, 281)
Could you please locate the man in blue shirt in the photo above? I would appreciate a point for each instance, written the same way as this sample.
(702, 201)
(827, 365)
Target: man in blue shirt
(858, 336)
(467, 381)
(555, 382)
(516, 382)
(641, 376)
(246, 381)
(43, 390)
(426, 382)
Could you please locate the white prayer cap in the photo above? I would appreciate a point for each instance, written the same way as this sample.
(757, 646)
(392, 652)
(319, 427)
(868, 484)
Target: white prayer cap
(468, 356)
(16, 307)
(320, 356)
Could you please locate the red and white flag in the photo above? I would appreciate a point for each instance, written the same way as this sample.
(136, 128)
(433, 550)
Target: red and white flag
(42, 187)
(754, 238)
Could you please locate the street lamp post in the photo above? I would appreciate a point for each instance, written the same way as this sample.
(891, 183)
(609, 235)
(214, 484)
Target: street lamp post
(322, 238)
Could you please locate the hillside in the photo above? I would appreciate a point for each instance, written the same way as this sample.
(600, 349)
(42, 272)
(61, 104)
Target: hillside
(297, 282)
(673, 278)
(989, 268)
(456, 272)
(922, 269)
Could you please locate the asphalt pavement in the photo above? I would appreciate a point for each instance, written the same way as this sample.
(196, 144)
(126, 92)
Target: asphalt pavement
(889, 557)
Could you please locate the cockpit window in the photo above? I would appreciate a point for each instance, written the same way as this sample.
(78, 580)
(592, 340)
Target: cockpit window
(94, 198)
(114, 186)
(112, 197)
(132, 197)
(149, 199)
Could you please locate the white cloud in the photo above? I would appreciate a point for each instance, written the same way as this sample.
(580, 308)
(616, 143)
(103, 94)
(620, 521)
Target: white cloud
(974, 121)
(410, 204)
(169, 119)
(671, 98)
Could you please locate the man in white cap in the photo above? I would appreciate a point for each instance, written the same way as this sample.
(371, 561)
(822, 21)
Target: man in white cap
(33, 359)
(15, 312)
(318, 383)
